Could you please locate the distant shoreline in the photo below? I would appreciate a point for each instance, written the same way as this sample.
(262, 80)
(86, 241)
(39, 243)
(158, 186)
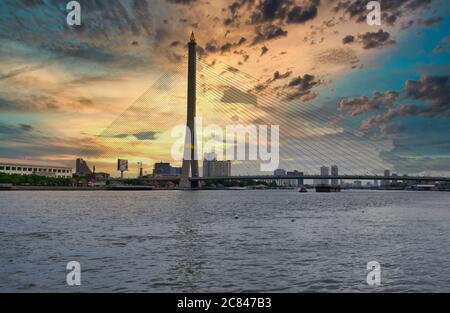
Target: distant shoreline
(146, 188)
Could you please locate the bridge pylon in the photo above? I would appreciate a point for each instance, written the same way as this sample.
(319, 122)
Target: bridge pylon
(190, 164)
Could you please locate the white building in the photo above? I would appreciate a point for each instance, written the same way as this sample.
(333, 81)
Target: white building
(31, 167)
(214, 168)
(385, 183)
(324, 171)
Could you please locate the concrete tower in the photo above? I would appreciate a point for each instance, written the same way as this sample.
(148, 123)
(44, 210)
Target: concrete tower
(190, 165)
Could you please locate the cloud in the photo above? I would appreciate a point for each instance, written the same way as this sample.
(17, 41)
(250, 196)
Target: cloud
(300, 15)
(276, 76)
(432, 92)
(29, 104)
(372, 40)
(23, 70)
(283, 10)
(392, 9)
(228, 46)
(431, 21)
(358, 105)
(147, 135)
(268, 32)
(7, 129)
(268, 10)
(433, 89)
(301, 88)
(264, 50)
(348, 39)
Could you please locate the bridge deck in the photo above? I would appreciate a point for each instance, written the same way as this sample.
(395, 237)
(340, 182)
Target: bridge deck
(311, 177)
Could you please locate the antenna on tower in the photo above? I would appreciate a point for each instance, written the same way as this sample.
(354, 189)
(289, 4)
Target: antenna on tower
(141, 169)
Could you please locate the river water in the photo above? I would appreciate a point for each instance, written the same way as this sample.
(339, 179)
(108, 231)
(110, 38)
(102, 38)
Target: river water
(224, 241)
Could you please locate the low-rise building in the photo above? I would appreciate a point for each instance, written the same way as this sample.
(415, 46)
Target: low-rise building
(34, 167)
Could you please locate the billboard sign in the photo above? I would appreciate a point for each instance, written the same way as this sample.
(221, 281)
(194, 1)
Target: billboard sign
(122, 165)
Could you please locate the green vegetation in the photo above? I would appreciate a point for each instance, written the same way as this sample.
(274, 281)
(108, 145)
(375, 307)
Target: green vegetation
(33, 180)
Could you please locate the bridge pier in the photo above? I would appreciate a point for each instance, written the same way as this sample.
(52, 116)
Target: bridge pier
(190, 164)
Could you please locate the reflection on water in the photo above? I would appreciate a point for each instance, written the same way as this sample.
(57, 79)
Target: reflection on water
(175, 241)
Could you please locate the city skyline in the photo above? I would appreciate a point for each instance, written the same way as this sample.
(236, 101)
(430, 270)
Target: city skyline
(366, 82)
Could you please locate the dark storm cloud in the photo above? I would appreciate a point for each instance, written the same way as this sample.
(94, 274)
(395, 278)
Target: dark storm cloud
(298, 88)
(268, 10)
(276, 76)
(301, 88)
(234, 10)
(432, 91)
(284, 11)
(300, 15)
(269, 32)
(264, 50)
(348, 39)
(213, 47)
(229, 46)
(372, 40)
(358, 105)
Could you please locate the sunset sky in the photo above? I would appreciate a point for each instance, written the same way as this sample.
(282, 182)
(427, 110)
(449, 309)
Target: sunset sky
(115, 86)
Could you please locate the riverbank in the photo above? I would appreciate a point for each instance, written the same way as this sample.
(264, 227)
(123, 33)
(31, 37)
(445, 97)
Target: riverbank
(149, 188)
(62, 188)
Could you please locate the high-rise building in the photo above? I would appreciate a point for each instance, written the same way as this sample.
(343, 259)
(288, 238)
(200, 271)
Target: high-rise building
(296, 182)
(214, 168)
(281, 182)
(324, 171)
(82, 169)
(165, 169)
(385, 183)
(334, 172)
(279, 172)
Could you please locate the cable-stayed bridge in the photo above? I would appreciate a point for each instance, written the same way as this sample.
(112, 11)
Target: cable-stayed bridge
(309, 177)
(313, 132)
